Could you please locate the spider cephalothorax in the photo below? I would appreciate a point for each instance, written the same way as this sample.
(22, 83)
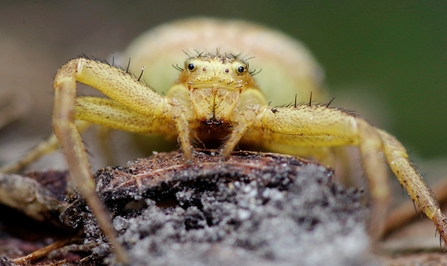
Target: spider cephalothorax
(209, 89)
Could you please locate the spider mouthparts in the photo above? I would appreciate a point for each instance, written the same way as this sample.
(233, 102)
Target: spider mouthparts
(212, 132)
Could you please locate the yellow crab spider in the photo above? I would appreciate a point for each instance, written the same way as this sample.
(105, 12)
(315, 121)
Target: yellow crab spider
(216, 99)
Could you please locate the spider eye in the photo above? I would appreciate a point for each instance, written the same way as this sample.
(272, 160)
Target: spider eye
(191, 67)
(240, 69)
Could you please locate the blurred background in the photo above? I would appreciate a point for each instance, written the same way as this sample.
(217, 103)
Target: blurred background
(387, 60)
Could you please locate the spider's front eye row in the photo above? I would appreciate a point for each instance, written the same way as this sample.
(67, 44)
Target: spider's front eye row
(191, 66)
(241, 69)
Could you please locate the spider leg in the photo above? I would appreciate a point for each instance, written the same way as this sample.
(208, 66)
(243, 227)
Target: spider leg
(112, 114)
(71, 142)
(119, 86)
(243, 116)
(320, 126)
(412, 181)
(238, 131)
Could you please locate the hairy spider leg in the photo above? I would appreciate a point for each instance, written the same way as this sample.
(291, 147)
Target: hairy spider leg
(135, 108)
(320, 126)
